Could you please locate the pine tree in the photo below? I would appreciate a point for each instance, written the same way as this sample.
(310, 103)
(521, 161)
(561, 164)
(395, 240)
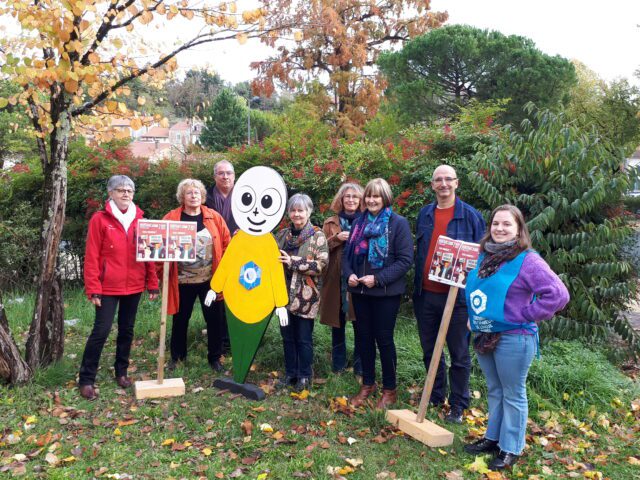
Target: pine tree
(225, 122)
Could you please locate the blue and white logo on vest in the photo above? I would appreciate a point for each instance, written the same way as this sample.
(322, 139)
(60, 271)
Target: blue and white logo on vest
(478, 301)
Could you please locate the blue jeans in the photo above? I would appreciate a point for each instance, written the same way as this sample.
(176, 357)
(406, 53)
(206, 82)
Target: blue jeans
(297, 340)
(339, 348)
(506, 371)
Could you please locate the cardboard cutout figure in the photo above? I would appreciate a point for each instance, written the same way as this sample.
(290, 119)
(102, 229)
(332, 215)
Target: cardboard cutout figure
(249, 273)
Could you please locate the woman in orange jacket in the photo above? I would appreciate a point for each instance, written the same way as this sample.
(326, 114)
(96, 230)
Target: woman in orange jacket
(189, 281)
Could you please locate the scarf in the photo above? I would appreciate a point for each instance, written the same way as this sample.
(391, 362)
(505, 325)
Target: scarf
(295, 239)
(346, 222)
(126, 218)
(372, 236)
(495, 254)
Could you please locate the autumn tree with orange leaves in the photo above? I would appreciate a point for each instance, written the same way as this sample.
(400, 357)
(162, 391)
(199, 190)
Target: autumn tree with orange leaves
(73, 60)
(337, 42)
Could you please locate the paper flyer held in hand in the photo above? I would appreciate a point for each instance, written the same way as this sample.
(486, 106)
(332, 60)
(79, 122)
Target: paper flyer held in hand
(452, 261)
(166, 241)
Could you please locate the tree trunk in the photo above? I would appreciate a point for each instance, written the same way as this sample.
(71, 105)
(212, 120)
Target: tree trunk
(46, 334)
(13, 369)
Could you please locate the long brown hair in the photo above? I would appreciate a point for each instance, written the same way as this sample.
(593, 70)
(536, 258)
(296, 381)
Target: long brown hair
(523, 238)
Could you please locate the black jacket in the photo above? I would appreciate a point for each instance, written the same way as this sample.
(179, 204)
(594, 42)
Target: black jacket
(390, 279)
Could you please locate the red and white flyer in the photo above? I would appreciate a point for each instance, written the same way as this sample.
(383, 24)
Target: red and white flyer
(151, 241)
(182, 241)
(166, 241)
(452, 261)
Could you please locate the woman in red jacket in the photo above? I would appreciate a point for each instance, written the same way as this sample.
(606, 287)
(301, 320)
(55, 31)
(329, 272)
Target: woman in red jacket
(113, 279)
(189, 281)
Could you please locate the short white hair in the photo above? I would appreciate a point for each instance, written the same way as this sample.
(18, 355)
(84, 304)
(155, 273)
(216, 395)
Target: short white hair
(300, 200)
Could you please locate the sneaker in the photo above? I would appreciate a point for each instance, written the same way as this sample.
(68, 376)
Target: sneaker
(484, 445)
(454, 415)
(503, 460)
(304, 383)
(286, 382)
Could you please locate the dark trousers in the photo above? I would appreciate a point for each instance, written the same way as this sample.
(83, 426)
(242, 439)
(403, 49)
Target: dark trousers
(127, 308)
(339, 348)
(213, 316)
(297, 340)
(428, 308)
(374, 325)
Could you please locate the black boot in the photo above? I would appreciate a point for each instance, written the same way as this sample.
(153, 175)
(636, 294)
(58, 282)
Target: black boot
(503, 460)
(484, 445)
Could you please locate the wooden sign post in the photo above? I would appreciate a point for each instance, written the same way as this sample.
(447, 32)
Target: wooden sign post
(171, 242)
(452, 260)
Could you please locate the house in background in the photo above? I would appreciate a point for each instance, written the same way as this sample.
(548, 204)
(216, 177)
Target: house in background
(634, 162)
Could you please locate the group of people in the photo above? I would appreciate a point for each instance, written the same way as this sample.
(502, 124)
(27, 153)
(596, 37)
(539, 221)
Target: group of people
(352, 270)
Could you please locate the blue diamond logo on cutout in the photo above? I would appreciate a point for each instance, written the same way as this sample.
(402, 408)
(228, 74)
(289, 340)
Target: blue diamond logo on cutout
(250, 275)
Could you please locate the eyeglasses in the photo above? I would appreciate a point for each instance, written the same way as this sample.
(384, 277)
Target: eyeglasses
(351, 196)
(443, 179)
(194, 193)
(225, 174)
(122, 191)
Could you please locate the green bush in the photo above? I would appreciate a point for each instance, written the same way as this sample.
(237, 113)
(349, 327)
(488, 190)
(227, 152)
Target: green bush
(570, 188)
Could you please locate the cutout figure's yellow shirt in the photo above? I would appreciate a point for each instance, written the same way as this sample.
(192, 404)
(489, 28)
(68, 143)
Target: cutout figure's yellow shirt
(251, 306)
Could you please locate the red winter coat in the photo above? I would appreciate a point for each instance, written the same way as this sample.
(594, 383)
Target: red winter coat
(110, 266)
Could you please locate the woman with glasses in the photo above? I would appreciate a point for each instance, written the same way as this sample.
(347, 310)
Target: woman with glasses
(114, 280)
(189, 281)
(335, 306)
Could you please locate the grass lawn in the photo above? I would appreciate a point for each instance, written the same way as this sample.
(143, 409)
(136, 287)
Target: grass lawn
(584, 419)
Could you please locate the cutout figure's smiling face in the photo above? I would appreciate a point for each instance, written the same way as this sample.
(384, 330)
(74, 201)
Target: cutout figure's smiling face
(258, 200)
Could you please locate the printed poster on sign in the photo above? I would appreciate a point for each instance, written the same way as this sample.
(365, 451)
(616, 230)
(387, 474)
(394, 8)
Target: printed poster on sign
(182, 241)
(166, 241)
(452, 261)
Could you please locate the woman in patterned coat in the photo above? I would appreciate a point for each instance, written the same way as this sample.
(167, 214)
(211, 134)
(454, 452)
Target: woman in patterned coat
(305, 254)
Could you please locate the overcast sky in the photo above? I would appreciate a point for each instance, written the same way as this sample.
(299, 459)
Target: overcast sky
(603, 35)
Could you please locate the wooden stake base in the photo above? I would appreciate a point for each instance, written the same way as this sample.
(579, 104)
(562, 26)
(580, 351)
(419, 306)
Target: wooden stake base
(170, 387)
(426, 432)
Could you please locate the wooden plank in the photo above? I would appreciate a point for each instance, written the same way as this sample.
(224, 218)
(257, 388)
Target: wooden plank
(437, 353)
(170, 387)
(163, 320)
(426, 432)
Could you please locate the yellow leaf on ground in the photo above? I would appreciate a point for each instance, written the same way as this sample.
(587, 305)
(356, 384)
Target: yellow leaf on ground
(168, 441)
(479, 465)
(117, 432)
(3, 102)
(207, 451)
(301, 395)
(634, 461)
(69, 459)
(354, 462)
(265, 427)
(31, 419)
(345, 470)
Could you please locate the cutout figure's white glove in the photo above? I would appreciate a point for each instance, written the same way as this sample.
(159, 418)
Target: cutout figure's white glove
(282, 314)
(210, 298)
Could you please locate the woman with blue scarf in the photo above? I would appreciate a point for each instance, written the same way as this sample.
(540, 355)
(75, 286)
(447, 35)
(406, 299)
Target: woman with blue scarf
(375, 260)
(508, 294)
